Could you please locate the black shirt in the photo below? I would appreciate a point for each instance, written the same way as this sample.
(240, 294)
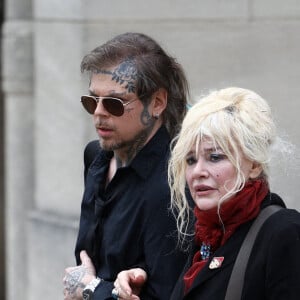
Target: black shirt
(135, 226)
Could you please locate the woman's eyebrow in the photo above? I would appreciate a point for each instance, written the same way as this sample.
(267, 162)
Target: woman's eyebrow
(212, 149)
(191, 152)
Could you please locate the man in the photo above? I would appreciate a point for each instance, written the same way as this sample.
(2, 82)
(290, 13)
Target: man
(137, 96)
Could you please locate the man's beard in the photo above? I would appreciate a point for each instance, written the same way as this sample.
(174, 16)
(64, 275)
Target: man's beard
(133, 146)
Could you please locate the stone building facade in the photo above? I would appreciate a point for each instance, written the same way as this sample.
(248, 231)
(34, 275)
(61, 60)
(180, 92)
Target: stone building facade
(249, 43)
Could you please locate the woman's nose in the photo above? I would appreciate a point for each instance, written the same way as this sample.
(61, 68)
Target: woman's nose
(200, 169)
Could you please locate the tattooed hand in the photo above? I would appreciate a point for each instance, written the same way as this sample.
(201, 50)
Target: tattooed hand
(76, 278)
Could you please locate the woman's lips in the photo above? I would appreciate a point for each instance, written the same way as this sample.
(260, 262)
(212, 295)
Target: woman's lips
(202, 190)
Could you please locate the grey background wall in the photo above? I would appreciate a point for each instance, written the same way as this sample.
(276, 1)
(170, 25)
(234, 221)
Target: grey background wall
(249, 43)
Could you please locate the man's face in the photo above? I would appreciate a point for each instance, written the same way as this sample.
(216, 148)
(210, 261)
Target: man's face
(128, 133)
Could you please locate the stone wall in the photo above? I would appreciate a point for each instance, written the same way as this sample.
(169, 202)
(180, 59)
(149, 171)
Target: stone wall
(249, 43)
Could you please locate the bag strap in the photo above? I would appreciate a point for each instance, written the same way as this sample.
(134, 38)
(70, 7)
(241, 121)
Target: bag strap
(236, 282)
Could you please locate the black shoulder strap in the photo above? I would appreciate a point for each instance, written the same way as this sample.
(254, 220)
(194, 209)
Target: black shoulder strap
(236, 282)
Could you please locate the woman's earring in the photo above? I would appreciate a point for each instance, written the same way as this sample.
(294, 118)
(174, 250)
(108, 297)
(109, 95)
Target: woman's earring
(156, 116)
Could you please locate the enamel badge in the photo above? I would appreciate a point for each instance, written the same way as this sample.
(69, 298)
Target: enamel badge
(216, 262)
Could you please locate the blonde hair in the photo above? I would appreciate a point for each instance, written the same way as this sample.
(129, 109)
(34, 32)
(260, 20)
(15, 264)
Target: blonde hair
(238, 121)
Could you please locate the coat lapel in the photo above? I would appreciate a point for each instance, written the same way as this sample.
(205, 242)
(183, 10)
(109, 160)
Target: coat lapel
(228, 252)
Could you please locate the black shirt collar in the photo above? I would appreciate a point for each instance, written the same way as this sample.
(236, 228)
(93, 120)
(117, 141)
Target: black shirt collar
(151, 153)
(146, 158)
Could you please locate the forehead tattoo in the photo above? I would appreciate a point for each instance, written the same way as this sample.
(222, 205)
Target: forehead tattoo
(125, 72)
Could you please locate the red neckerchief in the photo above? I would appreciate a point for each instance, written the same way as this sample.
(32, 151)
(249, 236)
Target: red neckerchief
(244, 206)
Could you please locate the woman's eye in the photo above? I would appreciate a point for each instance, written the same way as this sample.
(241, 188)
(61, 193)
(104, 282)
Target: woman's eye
(190, 160)
(216, 157)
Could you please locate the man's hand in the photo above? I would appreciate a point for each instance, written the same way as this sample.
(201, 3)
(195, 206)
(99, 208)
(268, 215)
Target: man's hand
(76, 278)
(129, 283)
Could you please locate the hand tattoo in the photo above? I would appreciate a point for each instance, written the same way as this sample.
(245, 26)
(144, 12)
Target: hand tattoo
(73, 280)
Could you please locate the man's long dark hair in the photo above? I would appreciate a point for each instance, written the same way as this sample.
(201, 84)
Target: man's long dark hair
(155, 69)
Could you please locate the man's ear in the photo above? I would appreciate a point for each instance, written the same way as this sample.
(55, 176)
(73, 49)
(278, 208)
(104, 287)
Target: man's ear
(255, 171)
(160, 101)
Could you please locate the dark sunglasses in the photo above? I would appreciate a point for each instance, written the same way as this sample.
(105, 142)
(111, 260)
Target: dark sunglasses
(114, 106)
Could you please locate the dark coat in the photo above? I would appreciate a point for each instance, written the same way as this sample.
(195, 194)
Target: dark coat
(273, 270)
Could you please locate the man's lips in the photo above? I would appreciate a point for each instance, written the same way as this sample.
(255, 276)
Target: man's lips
(104, 131)
(104, 128)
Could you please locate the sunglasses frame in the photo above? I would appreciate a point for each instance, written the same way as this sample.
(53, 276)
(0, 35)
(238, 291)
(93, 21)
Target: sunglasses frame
(97, 99)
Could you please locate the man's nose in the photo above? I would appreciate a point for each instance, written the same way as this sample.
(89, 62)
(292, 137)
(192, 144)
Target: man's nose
(100, 110)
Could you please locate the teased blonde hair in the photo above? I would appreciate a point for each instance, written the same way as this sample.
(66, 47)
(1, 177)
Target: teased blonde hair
(239, 122)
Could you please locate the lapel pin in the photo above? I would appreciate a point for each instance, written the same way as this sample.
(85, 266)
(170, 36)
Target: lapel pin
(216, 262)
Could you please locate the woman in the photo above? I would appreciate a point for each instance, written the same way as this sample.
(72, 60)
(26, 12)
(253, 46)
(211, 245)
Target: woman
(222, 153)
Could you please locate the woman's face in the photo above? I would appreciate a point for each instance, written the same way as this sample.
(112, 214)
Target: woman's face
(210, 174)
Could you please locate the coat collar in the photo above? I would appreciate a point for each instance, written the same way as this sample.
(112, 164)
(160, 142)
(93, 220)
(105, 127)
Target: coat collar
(228, 252)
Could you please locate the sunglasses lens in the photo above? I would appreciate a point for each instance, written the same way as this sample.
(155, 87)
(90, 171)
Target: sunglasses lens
(113, 106)
(89, 103)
